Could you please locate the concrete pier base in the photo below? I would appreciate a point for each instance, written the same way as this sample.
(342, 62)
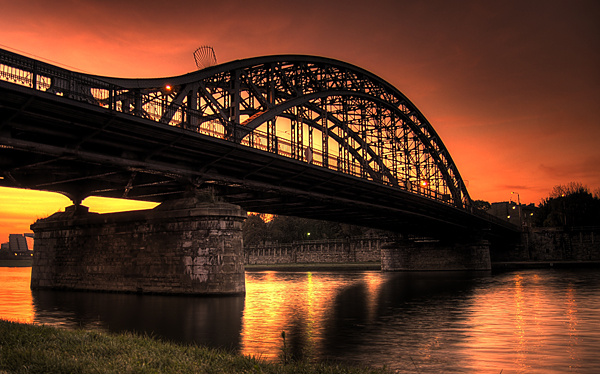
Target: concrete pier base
(179, 247)
(433, 255)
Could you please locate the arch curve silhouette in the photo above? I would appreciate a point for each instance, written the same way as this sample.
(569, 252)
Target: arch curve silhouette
(346, 118)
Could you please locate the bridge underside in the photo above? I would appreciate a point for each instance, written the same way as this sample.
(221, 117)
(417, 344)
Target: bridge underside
(54, 144)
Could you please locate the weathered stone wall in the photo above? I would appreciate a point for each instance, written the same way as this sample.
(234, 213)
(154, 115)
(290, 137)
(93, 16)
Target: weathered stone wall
(180, 247)
(317, 251)
(431, 255)
(558, 244)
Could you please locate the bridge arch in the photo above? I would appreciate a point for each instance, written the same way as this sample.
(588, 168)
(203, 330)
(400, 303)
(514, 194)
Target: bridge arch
(316, 110)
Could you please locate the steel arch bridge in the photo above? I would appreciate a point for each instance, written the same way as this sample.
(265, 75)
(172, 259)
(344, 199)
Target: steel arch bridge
(323, 113)
(318, 110)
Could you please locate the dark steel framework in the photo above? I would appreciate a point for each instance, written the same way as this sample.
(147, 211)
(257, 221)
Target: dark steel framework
(320, 111)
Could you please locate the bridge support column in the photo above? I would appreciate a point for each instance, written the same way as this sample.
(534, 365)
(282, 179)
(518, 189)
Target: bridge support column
(409, 255)
(179, 247)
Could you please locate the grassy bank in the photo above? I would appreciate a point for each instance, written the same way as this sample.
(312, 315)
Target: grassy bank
(16, 263)
(28, 348)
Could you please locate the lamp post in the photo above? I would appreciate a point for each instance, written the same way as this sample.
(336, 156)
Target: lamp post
(519, 203)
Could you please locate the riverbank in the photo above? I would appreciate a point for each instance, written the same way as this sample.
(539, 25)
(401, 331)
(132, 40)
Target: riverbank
(366, 266)
(26, 348)
(512, 265)
(16, 263)
(358, 266)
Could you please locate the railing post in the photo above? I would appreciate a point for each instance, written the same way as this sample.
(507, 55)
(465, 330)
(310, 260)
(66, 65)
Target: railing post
(111, 98)
(34, 76)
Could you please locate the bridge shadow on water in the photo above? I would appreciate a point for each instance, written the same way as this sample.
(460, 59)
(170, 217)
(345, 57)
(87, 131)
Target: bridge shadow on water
(363, 317)
(212, 321)
(434, 321)
(408, 310)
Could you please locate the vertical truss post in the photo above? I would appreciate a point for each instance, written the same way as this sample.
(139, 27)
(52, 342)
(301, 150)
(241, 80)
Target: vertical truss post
(293, 130)
(192, 109)
(418, 165)
(394, 145)
(380, 142)
(34, 75)
(325, 140)
(310, 145)
(364, 121)
(344, 145)
(164, 106)
(137, 103)
(271, 124)
(297, 134)
(407, 165)
(234, 99)
(111, 98)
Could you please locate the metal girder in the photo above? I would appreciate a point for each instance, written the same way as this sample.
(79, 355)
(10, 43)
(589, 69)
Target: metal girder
(320, 111)
(271, 89)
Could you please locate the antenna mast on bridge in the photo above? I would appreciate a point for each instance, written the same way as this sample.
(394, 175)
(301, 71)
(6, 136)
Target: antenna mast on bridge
(205, 57)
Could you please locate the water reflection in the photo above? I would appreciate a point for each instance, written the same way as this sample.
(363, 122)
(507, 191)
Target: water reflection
(529, 323)
(571, 305)
(535, 321)
(418, 323)
(15, 297)
(214, 321)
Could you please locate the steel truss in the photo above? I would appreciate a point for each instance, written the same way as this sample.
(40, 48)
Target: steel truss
(316, 110)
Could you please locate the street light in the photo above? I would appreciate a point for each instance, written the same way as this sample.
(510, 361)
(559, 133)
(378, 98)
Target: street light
(519, 203)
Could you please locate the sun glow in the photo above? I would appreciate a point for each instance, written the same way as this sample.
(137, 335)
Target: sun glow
(19, 208)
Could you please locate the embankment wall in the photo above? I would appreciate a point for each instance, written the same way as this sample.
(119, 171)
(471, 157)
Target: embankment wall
(553, 244)
(316, 251)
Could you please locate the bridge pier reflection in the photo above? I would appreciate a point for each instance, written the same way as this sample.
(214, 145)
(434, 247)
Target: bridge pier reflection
(180, 247)
(418, 255)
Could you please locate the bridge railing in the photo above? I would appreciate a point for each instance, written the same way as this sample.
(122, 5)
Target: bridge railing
(152, 105)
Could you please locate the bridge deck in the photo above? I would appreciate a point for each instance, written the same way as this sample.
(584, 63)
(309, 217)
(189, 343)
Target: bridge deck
(52, 142)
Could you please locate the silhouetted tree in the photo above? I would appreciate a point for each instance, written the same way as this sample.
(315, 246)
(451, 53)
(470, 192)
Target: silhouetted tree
(284, 229)
(569, 205)
(254, 230)
(482, 205)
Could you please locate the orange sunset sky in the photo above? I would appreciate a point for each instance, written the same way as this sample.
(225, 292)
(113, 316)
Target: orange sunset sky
(512, 87)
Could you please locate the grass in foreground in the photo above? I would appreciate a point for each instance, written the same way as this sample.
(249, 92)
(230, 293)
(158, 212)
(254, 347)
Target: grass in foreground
(26, 348)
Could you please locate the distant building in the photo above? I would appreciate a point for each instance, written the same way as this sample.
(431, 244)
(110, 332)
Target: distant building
(520, 215)
(16, 247)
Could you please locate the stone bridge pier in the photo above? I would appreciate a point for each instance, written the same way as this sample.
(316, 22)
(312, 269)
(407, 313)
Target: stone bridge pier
(426, 255)
(180, 247)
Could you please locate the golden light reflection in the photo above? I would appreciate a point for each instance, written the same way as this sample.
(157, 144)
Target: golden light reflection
(571, 305)
(373, 282)
(519, 323)
(298, 305)
(16, 303)
(311, 323)
(524, 325)
(263, 319)
(535, 318)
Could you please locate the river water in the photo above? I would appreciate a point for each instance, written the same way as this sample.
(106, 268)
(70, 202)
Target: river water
(526, 321)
